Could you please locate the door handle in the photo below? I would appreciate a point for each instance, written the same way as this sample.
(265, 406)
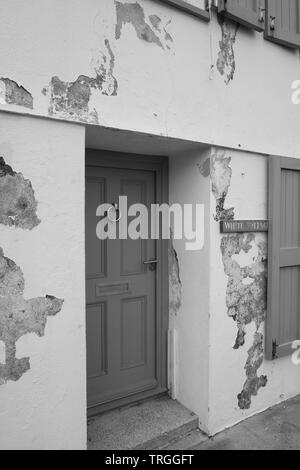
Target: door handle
(151, 263)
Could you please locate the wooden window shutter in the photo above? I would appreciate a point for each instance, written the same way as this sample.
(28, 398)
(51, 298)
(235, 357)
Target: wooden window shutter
(250, 13)
(283, 311)
(283, 22)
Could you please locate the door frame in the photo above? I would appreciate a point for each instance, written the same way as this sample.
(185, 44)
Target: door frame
(160, 167)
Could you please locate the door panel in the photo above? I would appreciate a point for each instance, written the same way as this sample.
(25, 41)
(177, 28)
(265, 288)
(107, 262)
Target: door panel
(134, 252)
(121, 293)
(96, 253)
(97, 346)
(133, 332)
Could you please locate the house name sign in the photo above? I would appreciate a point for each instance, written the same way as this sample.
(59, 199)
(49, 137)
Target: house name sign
(241, 226)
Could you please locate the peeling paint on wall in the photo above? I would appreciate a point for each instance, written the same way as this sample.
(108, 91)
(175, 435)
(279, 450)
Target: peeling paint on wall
(12, 93)
(17, 200)
(204, 168)
(155, 32)
(253, 382)
(226, 58)
(175, 285)
(71, 100)
(221, 178)
(19, 317)
(246, 302)
(157, 24)
(103, 64)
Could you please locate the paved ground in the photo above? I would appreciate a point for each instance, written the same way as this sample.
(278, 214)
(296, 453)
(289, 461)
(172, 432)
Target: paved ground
(276, 429)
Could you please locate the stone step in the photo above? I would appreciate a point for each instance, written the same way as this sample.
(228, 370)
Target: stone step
(147, 425)
(186, 442)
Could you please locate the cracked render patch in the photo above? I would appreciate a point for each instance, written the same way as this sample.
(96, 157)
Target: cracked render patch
(19, 317)
(175, 285)
(152, 30)
(72, 100)
(161, 29)
(204, 168)
(246, 303)
(13, 93)
(221, 178)
(226, 59)
(253, 382)
(17, 200)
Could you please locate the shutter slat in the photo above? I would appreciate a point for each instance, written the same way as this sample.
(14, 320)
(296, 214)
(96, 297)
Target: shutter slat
(283, 22)
(246, 12)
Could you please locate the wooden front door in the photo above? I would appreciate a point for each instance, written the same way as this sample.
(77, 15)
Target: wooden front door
(123, 329)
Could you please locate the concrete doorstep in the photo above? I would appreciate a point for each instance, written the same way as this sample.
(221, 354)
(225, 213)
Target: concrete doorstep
(148, 425)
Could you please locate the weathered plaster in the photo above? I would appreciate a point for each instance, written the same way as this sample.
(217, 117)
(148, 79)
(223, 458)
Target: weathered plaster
(17, 200)
(246, 302)
(204, 168)
(220, 178)
(175, 285)
(226, 58)
(155, 32)
(71, 100)
(156, 22)
(12, 93)
(158, 25)
(253, 382)
(19, 317)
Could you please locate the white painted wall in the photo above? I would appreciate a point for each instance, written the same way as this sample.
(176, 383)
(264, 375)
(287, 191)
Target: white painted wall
(248, 195)
(191, 322)
(46, 407)
(174, 92)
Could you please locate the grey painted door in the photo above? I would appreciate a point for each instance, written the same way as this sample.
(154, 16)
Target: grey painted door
(121, 293)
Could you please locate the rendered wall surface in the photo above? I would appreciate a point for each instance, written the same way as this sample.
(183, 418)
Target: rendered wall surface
(145, 66)
(189, 286)
(241, 381)
(42, 285)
